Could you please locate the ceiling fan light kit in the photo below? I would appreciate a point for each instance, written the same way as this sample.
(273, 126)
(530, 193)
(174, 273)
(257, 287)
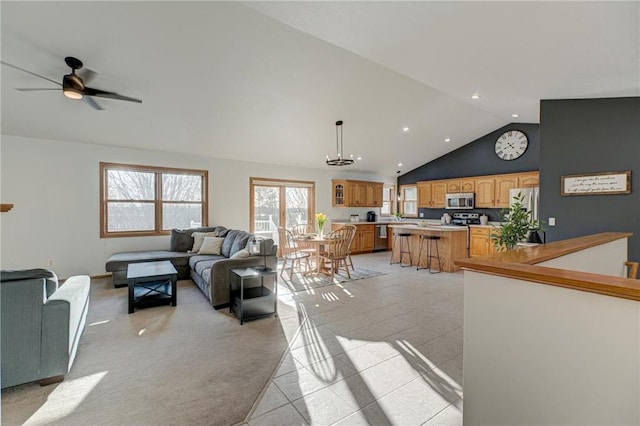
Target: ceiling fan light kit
(73, 86)
(339, 160)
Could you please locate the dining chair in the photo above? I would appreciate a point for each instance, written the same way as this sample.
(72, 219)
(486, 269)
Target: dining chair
(349, 260)
(338, 248)
(290, 251)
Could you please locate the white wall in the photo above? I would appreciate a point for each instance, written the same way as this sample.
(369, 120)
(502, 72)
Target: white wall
(537, 354)
(55, 187)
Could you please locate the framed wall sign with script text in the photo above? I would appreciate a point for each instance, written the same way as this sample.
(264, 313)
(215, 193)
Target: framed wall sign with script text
(606, 183)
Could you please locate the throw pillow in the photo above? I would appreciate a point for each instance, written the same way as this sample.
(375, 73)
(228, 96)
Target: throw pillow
(229, 238)
(181, 240)
(240, 242)
(211, 245)
(240, 254)
(198, 239)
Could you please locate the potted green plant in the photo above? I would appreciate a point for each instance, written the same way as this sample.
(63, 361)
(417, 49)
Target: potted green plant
(515, 224)
(397, 215)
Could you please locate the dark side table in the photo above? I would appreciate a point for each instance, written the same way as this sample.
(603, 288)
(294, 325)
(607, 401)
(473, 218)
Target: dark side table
(255, 301)
(151, 284)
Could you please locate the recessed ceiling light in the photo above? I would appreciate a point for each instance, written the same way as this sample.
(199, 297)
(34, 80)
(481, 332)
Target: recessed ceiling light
(515, 115)
(475, 96)
(399, 164)
(447, 140)
(359, 158)
(405, 129)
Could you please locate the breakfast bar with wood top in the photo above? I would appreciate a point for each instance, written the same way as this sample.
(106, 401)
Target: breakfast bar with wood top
(552, 335)
(452, 244)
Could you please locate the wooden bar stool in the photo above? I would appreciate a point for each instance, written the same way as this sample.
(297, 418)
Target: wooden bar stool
(405, 247)
(431, 239)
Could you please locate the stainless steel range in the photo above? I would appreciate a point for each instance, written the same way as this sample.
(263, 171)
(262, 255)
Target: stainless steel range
(464, 219)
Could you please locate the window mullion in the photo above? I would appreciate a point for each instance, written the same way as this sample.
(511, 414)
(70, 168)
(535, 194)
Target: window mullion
(158, 201)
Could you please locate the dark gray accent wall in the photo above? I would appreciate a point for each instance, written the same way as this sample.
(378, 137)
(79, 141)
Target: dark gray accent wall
(590, 136)
(477, 158)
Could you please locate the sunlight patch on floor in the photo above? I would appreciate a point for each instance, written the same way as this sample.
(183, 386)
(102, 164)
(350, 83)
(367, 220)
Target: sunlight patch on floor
(69, 394)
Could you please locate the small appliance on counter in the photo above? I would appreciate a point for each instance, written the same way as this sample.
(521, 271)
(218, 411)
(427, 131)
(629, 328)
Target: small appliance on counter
(354, 218)
(371, 216)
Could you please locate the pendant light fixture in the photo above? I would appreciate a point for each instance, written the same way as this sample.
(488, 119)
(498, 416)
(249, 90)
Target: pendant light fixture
(340, 160)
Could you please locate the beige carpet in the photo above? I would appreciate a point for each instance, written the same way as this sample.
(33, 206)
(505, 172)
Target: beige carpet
(183, 365)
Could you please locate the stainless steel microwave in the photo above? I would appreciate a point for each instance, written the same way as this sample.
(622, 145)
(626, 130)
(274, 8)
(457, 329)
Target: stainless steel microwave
(459, 201)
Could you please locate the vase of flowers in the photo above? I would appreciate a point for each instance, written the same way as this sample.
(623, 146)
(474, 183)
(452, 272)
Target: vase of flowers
(321, 219)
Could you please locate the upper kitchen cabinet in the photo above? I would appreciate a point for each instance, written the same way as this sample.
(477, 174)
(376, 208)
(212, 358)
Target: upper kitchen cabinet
(504, 184)
(353, 193)
(431, 193)
(529, 180)
(490, 191)
(493, 191)
(485, 192)
(374, 194)
(357, 194)
(339, 193)
(424, 194)
(460, 185)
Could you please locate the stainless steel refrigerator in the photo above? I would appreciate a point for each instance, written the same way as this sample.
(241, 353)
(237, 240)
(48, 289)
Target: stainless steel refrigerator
(531, 199)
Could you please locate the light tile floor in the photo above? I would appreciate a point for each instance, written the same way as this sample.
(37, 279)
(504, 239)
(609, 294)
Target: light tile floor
(377, 351)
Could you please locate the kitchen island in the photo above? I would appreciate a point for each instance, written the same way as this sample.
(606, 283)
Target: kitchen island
(452, 244)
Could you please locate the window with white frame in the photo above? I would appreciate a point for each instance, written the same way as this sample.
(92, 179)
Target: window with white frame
(388, 200)
(409, 200)
(146, 200)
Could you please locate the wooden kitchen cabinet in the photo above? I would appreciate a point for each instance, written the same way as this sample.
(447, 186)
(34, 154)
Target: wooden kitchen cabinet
(493, 191)
(366, 237)
(528, 180)
(459, 185)
(374, 194)
(490, 191)
(363, 240)
(504, 184)
(357, 194)
(452, 186)
(339, 193)
(485, 192)
(468, 185)
(424, 194)
(438, 191)
(353, 193)
(480, 243)
(431, 193)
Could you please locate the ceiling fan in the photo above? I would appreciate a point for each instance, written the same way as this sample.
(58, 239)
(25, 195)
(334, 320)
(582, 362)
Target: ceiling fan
(73, 85)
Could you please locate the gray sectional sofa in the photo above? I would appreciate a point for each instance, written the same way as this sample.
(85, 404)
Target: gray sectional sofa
(42, 324)
(210, 272)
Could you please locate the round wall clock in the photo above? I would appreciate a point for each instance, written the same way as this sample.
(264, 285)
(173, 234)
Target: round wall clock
(511, 145)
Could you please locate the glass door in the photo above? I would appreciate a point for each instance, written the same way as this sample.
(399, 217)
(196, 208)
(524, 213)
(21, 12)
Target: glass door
(278, 203)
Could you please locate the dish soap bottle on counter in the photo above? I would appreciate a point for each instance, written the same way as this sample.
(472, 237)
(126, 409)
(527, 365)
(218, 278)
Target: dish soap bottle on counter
(445, 219)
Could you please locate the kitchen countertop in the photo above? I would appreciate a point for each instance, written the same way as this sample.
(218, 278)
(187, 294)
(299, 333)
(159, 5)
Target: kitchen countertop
(441, 228)
(386, 222)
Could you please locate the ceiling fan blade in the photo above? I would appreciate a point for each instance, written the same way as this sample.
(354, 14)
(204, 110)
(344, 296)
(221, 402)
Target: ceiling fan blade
(89, 101)
(110, 95)
(32, 73)
(33, 90)
(87, 74)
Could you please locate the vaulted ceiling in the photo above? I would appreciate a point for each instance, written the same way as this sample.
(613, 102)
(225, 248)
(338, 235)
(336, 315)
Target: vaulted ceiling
(266, 81)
